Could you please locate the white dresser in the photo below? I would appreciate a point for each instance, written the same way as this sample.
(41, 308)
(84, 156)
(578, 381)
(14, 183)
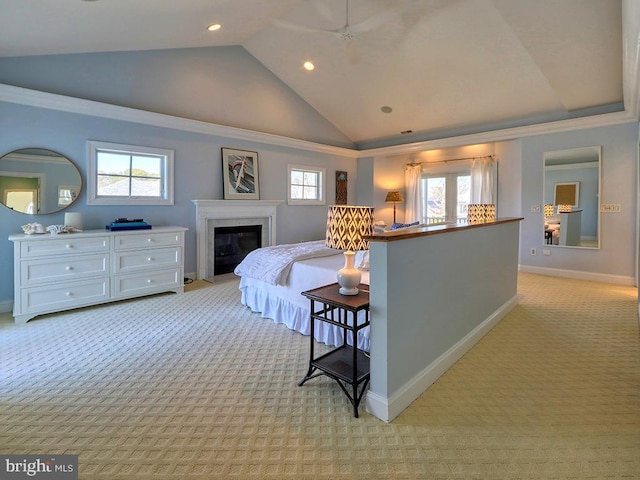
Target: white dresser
(60, 272)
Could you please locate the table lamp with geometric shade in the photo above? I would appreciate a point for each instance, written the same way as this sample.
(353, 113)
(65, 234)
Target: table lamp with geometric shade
(481, 212)
(548, 210)
(394, 197)
(346, 225)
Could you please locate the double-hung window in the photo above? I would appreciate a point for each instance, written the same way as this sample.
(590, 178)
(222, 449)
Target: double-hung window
(129, 175)
(305, 185)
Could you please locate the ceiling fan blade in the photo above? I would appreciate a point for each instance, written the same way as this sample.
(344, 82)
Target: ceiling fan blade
(323, 9)
(296, 27)
(373, 22)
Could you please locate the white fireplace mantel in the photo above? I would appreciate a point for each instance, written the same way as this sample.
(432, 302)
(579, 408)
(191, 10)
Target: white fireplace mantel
(208, 210)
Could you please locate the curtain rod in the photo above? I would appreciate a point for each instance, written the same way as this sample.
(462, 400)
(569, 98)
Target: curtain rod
(451, 160)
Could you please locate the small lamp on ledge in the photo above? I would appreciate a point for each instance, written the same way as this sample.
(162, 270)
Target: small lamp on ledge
(346, 225)
(548, 210)
(394, 197)
(481, 212)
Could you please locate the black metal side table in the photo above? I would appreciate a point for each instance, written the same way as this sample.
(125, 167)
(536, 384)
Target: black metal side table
(346, 364)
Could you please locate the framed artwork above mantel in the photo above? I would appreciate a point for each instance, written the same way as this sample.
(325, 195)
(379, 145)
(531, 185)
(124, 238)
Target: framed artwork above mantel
(240, 174)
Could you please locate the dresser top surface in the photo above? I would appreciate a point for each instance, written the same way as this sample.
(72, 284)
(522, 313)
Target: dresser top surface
(20, 237)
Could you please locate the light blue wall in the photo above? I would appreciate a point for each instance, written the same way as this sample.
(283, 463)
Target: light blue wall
(616, 256)
(221, 85)
(198, 175)
(428, 294)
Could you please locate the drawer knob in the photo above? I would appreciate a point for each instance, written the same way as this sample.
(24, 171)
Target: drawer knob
(69, 267)
(149, 281)
(149, 240)
(68, 245)
(149, 259)
(68, 294)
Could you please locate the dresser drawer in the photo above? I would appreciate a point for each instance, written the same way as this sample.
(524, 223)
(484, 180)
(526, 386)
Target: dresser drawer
(61, 296)
(147, 240)
(134, 261)
(63, 268)
(149, 282)
(64, 246)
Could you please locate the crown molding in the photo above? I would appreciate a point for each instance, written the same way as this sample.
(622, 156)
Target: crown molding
(505, 134)
(631, 56)
(52, 101)
(35, 98)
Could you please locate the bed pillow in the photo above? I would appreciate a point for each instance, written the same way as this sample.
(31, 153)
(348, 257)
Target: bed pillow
(362, 260)
(398, 226)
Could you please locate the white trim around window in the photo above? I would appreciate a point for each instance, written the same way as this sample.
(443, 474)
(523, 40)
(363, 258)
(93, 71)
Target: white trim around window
(162, 177)
(308, 191)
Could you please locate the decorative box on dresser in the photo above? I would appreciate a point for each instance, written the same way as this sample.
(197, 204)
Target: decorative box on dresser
(60, 272)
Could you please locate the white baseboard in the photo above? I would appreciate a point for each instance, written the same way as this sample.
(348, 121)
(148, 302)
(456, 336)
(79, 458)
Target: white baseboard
(592, 276)
(386, 409)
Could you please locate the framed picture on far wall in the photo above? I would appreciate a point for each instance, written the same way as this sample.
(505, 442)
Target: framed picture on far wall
(240, 174)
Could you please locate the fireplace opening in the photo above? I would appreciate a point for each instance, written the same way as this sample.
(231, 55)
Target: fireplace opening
(232, 244)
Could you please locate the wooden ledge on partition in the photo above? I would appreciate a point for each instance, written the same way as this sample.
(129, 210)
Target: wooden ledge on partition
(435, 229)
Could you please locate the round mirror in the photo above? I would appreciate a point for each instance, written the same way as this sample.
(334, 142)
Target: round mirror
(38, 181)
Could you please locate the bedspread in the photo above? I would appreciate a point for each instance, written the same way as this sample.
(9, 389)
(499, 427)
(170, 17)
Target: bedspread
(273, 264)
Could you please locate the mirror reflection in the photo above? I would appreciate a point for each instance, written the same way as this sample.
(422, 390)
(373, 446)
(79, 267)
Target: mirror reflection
(38, 181)
(572, 197)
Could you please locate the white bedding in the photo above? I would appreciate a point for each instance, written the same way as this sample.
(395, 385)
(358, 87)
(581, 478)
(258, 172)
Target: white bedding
(285, 303)
(272, 264)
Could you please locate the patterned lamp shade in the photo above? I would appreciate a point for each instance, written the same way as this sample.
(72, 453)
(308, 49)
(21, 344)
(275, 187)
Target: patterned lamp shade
(548, 210)
(481, 212)
(346, 225)
(394, 196)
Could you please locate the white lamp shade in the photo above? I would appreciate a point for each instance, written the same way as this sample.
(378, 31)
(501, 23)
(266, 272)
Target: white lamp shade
(73, 219)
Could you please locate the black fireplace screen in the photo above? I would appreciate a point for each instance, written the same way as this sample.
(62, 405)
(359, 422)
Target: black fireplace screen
(232, 244)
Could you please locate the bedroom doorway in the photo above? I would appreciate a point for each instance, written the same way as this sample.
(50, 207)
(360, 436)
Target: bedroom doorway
(232, 244)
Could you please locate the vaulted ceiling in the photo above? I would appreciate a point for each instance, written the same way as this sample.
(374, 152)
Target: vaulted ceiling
(427, 68)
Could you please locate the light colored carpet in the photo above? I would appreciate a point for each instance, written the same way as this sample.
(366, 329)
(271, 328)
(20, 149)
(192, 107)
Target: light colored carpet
(196, 386)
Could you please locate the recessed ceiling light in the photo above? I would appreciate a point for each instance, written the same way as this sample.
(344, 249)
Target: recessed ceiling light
(214, 27)
(308, 65)
(386, 109)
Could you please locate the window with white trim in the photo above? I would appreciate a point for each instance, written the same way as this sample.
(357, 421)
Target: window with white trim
(305, 185)
(446, 192)
(129, 175)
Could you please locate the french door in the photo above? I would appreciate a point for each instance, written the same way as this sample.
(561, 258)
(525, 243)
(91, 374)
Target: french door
(446, 197)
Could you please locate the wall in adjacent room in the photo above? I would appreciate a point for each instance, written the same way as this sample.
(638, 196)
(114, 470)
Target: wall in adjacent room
(615, 260)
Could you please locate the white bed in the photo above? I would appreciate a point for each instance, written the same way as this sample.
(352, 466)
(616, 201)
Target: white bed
(284, 303)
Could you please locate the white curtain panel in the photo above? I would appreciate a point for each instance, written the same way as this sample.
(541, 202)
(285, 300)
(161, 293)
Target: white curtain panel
(482, 180)
(413, 200)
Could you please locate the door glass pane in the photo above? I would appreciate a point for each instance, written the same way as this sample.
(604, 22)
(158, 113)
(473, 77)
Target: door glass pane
(463, 198)
(436, 199)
